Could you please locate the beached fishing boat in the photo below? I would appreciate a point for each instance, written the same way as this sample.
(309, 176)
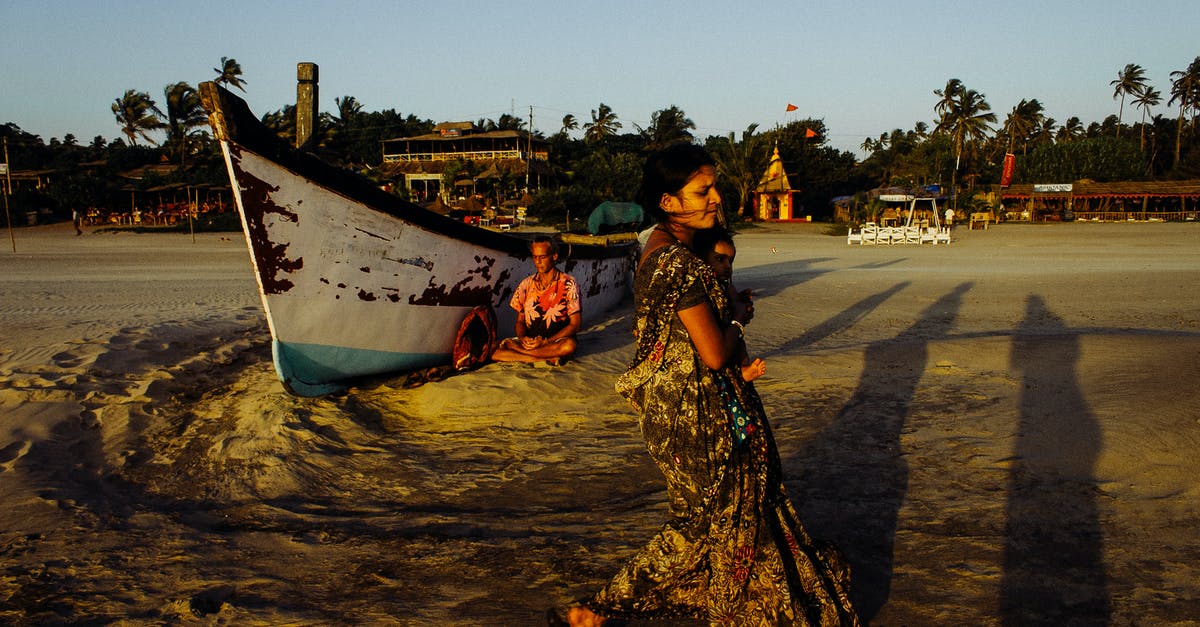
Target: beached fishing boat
(357, 282)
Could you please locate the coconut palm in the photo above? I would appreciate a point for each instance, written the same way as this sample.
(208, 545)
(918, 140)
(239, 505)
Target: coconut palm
(604, 124)
(1044, 132)
(184, 113)
(230, 73)
(949, 95)
(965, 116)
(509, 122)
(348, 108)
(667, 126)
(569, 123)
(1070, 130)
(1185, 89)
(283, 122)
(1026, 116)
(869, 146)
(1148, 97)
(742, 163)
(137, 115)
(1129, 82)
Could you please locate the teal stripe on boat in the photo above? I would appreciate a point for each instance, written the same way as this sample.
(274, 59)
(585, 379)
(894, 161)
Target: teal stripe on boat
(317, 369)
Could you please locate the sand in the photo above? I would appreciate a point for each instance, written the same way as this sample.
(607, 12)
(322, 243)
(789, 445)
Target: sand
(999, 431)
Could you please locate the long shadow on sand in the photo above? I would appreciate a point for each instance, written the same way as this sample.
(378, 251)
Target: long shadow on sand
(844, 319)
(783, 275)
(1053, 564)
(853, 477)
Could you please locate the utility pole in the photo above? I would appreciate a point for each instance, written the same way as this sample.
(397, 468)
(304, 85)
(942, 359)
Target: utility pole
(529, 150)
(7, 191)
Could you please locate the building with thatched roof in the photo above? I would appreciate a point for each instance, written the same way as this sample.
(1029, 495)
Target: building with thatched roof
(422, 160)
(1089, 200)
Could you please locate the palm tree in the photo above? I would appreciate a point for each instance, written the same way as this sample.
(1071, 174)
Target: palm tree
(1129, 81)
(667, 126)
(569, 123)
(184, 113)
(137, 115)
(964, 115)
(509, 122)
(1148, 97)
(869, 146)
(230, 73)
(742, 163)
(1044, 132)
(1021, 121)
(1070, 130)
(348, 108)
(949, 94)
(283, 122)
(1185, 87)
(604, 123)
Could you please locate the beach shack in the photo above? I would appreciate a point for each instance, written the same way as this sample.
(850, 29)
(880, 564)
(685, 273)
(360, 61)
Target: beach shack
(775, 198)
(1103, 202)
(421, 160)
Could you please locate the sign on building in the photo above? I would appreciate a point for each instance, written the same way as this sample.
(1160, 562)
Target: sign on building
(1052, 187)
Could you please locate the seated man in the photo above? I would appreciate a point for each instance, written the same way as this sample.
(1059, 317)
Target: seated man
(548, 311)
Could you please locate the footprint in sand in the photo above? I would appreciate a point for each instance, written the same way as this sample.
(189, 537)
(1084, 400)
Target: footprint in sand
(11, 453)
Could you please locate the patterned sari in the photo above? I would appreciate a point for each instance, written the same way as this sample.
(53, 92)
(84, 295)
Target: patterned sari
(733, 550)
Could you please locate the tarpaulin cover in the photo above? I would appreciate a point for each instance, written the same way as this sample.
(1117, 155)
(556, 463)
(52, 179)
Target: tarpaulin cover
(610, 216)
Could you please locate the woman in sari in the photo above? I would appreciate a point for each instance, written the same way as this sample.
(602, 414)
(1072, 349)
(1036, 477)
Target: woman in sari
(733, 550)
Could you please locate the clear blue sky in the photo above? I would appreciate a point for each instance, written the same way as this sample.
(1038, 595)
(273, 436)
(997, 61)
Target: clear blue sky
(864, 67)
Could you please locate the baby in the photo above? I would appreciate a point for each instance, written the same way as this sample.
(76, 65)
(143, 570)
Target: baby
(715, 246)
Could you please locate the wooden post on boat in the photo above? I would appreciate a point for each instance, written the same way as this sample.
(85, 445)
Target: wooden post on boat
(306, 105)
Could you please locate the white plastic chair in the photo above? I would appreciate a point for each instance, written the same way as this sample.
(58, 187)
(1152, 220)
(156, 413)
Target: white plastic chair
(870, 234)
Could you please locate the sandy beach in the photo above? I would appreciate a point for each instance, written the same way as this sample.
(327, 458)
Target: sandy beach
(999, 431)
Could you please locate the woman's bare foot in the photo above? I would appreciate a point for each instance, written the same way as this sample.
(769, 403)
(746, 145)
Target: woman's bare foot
(583, 617)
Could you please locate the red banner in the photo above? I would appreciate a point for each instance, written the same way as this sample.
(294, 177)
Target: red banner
(1010, 162)
(791, 107)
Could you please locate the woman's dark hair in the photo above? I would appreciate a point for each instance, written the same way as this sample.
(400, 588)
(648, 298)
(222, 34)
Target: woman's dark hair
(666, 172)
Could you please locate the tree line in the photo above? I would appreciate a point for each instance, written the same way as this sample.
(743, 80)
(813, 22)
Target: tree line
(963, 151)
(966, 144)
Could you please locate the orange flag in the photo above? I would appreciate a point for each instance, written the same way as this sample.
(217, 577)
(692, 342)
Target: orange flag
(808, 132)
(792, 107)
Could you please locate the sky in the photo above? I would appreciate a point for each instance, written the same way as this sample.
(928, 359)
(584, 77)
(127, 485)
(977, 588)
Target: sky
(863, 67)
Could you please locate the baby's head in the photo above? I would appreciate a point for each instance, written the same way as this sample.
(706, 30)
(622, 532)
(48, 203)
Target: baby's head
(715, 246)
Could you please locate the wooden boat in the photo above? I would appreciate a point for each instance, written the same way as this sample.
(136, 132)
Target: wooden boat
(357, 282)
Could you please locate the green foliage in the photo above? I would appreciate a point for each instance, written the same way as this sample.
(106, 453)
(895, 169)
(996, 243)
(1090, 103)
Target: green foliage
(820, 172)
(1098, 159)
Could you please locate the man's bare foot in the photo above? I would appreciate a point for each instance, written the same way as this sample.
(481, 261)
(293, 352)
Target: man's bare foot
(583, 617)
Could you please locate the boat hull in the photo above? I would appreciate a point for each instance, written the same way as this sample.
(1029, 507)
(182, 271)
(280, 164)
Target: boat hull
(352, 289)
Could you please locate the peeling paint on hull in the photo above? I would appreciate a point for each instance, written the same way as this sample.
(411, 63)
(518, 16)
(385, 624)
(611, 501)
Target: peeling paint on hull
(352, 291)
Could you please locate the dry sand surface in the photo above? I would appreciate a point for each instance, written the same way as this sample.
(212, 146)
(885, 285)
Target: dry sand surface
(999, 431)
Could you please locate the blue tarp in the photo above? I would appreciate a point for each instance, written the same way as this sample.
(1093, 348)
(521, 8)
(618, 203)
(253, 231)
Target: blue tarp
(610, 216)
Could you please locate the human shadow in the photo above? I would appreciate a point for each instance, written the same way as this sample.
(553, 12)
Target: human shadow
(853, 477)
(1054, 547)
(782, 275)
(844, 319)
